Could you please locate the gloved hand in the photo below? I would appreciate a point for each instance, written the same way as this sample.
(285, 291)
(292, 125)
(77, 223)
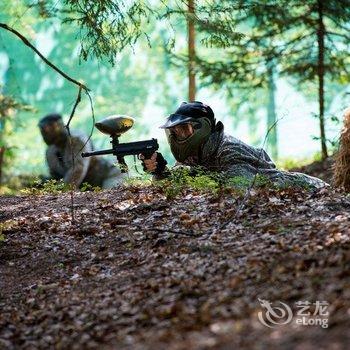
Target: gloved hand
(155, 165)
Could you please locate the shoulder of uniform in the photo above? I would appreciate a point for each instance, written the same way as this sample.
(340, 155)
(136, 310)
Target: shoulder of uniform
(78, 134)
(233, 147)
(51, 149)
(78, 137)
(231, 140)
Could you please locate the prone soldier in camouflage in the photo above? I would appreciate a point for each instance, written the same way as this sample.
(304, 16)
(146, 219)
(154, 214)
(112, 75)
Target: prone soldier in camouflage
(196, 139)
(95, 171)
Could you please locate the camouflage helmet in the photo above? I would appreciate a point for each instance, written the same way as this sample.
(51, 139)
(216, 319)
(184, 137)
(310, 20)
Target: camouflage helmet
(52, 129)
(202, 119)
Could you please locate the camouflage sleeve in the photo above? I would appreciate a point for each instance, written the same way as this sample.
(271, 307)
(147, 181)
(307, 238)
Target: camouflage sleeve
(266, 157)
(77, 170)
(234, 164)
(241, 164)
(55, 169)
(285, 179)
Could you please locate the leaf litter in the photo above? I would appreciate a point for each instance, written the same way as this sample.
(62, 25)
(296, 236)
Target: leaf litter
(141, 271)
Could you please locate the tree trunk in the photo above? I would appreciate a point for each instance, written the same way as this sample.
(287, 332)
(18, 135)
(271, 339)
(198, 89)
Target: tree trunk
(321, 73)
(191, 53)
(2, 153)
(272, 141)
(2, 147)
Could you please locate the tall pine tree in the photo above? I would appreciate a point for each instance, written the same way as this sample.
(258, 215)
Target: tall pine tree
(308, 41)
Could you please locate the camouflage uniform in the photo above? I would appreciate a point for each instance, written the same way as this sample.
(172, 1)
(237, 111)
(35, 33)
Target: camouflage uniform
(96, 171)
(224, 153)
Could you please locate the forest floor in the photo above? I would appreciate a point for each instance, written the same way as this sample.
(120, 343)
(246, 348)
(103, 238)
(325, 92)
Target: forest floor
(137, 270)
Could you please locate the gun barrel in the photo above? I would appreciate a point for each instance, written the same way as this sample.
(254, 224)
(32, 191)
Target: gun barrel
(147, 147)
(135, 148)
(97, 153)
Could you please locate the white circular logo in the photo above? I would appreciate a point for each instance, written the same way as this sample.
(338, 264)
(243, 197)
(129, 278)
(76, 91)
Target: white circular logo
(273, 316)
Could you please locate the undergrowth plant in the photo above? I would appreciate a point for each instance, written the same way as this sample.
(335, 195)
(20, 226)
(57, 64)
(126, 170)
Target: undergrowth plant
(5, 226)
(55, 187)
(48, 187)
(201, 180)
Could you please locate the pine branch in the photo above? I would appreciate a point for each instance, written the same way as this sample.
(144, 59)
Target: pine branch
(344, 36)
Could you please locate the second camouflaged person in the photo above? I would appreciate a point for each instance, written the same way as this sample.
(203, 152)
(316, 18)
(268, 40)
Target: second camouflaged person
(196, 139)
(95, 171)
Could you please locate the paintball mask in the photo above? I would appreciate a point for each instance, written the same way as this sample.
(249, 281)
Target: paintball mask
(188, 128)
(52, 129)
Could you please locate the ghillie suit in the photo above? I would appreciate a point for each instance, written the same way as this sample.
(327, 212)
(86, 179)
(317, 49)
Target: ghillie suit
(212, 150)
(342, 158)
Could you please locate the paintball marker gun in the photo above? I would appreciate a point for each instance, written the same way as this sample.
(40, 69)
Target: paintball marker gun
(115, 126)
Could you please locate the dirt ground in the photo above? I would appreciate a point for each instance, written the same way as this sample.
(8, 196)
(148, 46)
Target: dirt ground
(139, 271)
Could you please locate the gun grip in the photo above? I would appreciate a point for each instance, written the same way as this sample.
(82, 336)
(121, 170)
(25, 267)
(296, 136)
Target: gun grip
(122, 164)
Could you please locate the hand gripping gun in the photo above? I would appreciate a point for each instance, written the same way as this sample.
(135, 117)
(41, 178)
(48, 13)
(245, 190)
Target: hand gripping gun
(115, 126)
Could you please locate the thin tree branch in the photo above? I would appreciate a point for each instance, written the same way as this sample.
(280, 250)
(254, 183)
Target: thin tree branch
(93, 122)
(50, 64)
(81, 87)
(77, 101)
(344, 36)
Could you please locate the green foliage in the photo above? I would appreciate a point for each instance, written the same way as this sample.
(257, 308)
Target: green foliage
(8, 105)
(292, 163)
(8, 108)
(5, 226)
(106, 27)
(216, 183)
(139, 180)
(181, 178)
(203, 181)
(53, 187)
(87, 187)
(13, 184)
(308, 42)
(279, 30)
(262, 181)
(123, 89)
(230, 61)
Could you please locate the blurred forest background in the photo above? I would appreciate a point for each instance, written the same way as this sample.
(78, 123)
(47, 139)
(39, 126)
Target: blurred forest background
(261, 65)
